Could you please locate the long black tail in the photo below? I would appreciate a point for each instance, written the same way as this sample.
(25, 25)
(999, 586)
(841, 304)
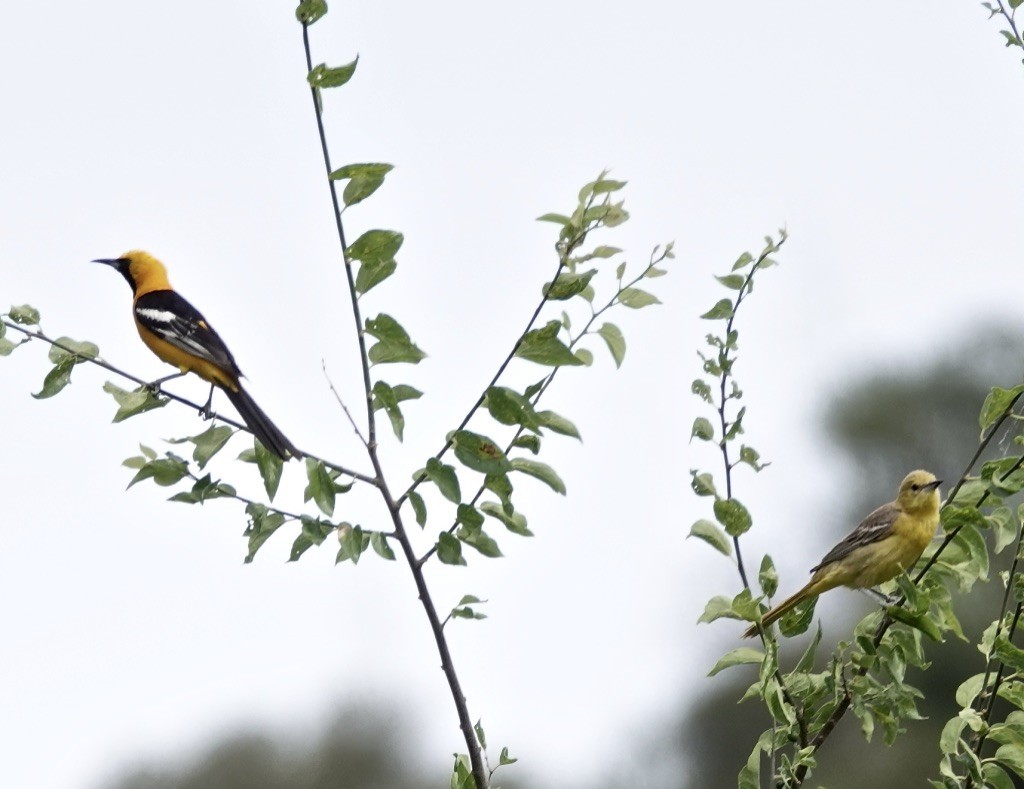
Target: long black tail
(261, 426)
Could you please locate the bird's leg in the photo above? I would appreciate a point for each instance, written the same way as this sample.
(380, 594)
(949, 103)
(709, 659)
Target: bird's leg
(205, 412)
(154, 386)
(878, 596)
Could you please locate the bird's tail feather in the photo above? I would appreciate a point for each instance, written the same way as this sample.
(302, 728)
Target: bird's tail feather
(260, 425)
(786, 605)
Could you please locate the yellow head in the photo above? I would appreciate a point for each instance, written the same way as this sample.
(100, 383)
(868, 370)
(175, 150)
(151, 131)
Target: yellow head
(143, 271)
(919, 492)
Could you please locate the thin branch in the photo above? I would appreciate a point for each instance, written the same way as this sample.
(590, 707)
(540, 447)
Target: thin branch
(479, 767)
(563, 260)
(344, 407)
(38, 335)
(1010, 20)
(547, 382)
(289, 516)
(371, 420)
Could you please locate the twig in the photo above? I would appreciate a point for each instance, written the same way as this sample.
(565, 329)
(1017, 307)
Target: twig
(341, 402)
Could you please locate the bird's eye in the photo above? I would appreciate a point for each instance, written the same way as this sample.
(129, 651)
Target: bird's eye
(915, 486)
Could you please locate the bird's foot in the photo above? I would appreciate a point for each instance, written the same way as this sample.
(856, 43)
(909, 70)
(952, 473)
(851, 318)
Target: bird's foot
(881, 597)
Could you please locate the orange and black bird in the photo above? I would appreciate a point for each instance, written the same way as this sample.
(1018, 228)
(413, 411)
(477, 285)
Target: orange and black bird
(179, 334)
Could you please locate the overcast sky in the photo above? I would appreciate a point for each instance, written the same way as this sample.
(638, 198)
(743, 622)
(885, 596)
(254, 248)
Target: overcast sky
(884, 137)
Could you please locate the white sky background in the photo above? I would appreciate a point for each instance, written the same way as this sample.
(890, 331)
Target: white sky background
(880, 135)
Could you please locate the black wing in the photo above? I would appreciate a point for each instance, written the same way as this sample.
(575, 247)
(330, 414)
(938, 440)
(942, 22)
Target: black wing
(876, 526)
(173, 319)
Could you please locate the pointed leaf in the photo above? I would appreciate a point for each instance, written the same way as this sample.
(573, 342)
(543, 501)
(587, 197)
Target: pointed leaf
(541, 471)
(616, 343)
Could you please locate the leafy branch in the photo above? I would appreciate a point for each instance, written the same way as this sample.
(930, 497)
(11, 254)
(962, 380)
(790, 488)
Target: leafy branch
(1012, 36)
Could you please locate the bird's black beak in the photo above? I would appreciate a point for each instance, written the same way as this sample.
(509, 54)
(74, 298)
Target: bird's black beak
(933, 485)
(119, 264)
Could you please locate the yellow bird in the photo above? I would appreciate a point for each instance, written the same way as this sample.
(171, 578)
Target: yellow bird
(179, 334)
(887, 542)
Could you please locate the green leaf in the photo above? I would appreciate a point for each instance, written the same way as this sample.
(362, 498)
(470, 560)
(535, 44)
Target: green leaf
(58, 377)
(742, 606)
(501, 486)
(1010, 654)
(1011, 756)
(733, 516)
(363, 180)
(393, 342)
(262, 523)
(515, 522)
(584, 356)
(354, 542)
(721, 311)
(567, 285)
(600, 186)
(135, 402)
(504, 758)
(558, 424)
(635, 298)
(995, 777)
(558, 219)
(379, 543)
(479, 453)
(616, 343)
(309, 11)
(375, 250)
(320, 487)
(797, 620)
(969, 689)
(449, 549)
(750, 456)
(1011, 41)
(737, 657)
(701, 389)
(743, 261)
(541, 471)
(712, 535)
(419, 507)
(462, 774)
(732, 281)
(388, 398)
(465, 612)
(72, 349)
(445, 478)
(528, 441)
(209, 443)
(270, 467)
(543, 347)
(324, 77)
(313, 532)
(6, 346)
(203, 490)
(996, 403)
(469, 517)
(511, 408)
(24, 314)
(918, 621)
(164, 472)
(702, 429)
(702, 483)
(768, 577)
(481, 541)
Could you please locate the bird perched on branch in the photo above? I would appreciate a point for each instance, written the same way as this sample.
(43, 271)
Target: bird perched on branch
(179, 334)
(887, 542)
